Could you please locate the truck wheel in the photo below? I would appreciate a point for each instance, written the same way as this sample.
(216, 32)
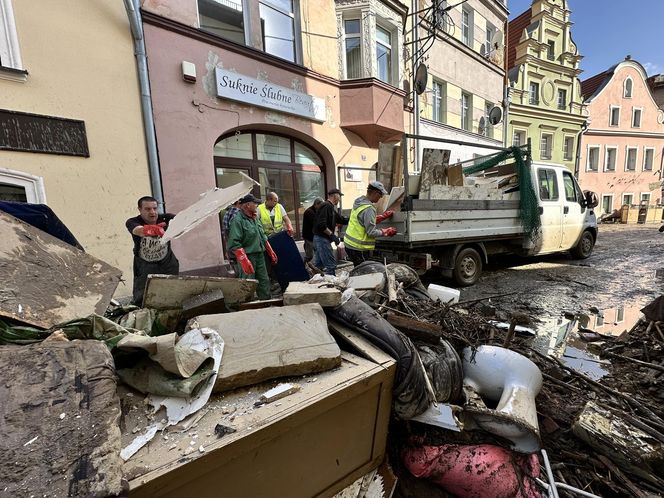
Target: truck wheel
(584, 247)
(467, 267)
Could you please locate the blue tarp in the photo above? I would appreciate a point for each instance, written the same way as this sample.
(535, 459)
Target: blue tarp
(42, 217)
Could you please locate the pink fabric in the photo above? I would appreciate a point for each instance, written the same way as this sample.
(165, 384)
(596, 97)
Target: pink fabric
(476, 471)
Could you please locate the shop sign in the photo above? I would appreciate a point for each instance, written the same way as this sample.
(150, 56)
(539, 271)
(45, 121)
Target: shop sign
(241, 88)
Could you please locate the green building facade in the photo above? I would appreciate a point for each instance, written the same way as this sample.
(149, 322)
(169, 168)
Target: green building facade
(544, 89)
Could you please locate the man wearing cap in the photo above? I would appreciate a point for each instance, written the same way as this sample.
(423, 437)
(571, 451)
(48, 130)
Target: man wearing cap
(361, 233)
(273, 216)
(327, 218)
(247, 241)
(308, 221)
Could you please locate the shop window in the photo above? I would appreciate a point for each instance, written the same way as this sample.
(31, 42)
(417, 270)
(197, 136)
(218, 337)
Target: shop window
(273, 148)
(304, 155)
(238, 146)
(353, 45)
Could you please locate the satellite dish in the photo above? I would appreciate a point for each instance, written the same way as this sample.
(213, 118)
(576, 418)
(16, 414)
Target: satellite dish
(421, 79)
(483, 50)
(481, 128)
(495, 115)
(497, 39)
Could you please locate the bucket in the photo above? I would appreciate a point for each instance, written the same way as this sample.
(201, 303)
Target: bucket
(445, 294)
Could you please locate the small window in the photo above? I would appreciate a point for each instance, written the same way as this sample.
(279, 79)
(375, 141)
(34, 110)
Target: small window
(10, 54)
(628, 88)
(611, 156)
(627, 199)
(224, 19)
(562, 99)
(593, 159)
(13, 193)
(570, 187)
(568, 148)
(519, 138)
(278, 23)
(548, 184)
(466, 111)
(490, 33)
(630, 160)
(533, 93)
(614, 120)
(467, 26)
(645, 198)
(353, 48)
(546, 145)
(438, 101)
(648, 159)
(636, 118)
(607, 204)
(551, 50)
(384, 54)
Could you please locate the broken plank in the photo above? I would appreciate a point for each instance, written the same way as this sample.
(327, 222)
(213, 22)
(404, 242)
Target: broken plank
(416, 329)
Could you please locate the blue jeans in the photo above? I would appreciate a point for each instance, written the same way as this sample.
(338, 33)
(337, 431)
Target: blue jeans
(323, 256)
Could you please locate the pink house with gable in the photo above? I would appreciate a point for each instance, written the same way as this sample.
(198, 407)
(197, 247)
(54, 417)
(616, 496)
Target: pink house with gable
(622, 149)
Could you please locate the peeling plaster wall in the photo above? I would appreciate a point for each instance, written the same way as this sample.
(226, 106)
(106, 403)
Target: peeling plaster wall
(81, 65)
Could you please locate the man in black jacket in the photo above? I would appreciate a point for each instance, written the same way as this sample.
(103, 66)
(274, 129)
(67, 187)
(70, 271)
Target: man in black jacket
(308, 221)
(327, 218)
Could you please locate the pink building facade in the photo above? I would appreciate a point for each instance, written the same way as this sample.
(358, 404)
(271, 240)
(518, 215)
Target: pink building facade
(622, 150)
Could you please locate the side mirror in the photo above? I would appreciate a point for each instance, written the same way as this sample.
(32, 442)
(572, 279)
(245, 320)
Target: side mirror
(589, 200)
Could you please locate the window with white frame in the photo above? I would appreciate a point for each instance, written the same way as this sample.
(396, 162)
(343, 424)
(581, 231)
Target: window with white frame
(628, 88)
(438, 98)
(533, 93)
(592, 163)
(648, 158)
(353, 48)
(611, 156)
(568, 148)
(518, 138)
(551, 50)
(630, 159)
(10, 54)
(466, 111)
(21, 187)
(627, 199)
(636, 118)
(277, 22)
(614, 117)
(546, 145)
(645, 198)
(467, 26)
(607, 203)
(384, 54)
(562, 98)
(488, 127)
(490, 33)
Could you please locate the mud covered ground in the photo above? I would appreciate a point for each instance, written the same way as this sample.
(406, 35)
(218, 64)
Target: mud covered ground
(619, 273)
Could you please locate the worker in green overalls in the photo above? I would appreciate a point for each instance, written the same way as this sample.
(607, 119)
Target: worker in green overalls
(247, 241)
(360, 238)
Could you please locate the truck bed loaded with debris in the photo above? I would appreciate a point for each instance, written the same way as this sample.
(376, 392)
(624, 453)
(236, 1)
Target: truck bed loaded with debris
(454, 216)
(359, 385)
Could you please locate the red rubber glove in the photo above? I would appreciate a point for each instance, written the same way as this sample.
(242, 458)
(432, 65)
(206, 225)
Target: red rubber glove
(389, 232)
(243, 259)
(289, 229)
(386, 215)
(271, 253)
(154, 230)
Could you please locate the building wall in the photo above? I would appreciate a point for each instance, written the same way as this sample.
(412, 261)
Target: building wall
(650, 135)
(72, 73)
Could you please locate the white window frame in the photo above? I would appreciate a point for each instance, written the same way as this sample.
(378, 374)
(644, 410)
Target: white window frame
(536, 100)
(439, 101)
(393, 36)
(33, 185)
(467, 31)
(628, 93)
(466, 112)
(488, 127)
(490, 33)
(645, 196)
(564, 104)
(352, 35)
(525, 136)
(551, 50)
(589, 148)
(607, 196)
(549, 149)
(606, 157)
(645, 155)
(625, 194)
(634, 111)
(566, 140)
(611, 109)
(636, 157)
(10, 51)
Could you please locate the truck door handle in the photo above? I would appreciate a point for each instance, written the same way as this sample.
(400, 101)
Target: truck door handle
(566, 210)
(541, 210)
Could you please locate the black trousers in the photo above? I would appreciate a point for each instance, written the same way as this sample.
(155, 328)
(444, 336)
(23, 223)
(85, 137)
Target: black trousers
(167, 266)
(356, 256)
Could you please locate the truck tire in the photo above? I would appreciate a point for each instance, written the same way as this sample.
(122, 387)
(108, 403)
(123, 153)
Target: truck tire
(467, 267)
(584, 247)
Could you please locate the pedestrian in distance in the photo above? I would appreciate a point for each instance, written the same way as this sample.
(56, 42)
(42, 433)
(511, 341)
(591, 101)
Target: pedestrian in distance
(248, 242)
(273, 216)
(151, 255)
(327, 218)
(360, 238)
(308, 221)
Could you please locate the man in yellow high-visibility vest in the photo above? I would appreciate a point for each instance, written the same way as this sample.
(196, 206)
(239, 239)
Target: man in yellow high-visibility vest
(273, 216)
(360, 238)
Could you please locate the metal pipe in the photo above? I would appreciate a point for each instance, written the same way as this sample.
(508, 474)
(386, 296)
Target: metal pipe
(136, 25)
(416, 97)
(566, 487)
(549, 473)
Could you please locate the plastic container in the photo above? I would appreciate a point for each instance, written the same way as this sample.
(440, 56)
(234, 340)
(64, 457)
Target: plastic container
(445, 294)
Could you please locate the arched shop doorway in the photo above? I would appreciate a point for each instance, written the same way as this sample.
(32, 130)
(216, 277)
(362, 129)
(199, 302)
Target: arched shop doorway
(279, 163)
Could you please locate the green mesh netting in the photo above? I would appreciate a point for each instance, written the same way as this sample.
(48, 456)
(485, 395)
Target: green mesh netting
(528, 207)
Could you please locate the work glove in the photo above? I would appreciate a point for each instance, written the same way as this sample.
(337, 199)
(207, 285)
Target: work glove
(335, 239)
(271, 253)
(289, 229)
(389, 232)
(243, 260)
(154, 230)
(386, 215)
